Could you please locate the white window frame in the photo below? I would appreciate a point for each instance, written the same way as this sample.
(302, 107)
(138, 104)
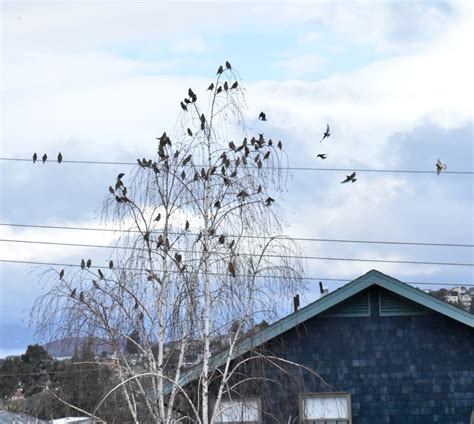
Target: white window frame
(303, 396)
(259, 408)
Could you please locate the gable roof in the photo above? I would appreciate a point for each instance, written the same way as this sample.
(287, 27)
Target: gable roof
(371, 278)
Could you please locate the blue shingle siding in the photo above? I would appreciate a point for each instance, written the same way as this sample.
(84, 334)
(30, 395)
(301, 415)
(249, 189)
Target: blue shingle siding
(407, 369)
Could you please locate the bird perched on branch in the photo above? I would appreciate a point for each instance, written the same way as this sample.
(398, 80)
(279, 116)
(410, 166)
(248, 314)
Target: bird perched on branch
(211, 87)
(101, 274)
(35, 157)
(326, 134)
(219, 89)
(45, 158)
(228, 65)
(322, 155)
(61, 274)
(226, 86)
(440, 167)
(60, 157)
(231, 269)
(243, 195)
(190, 133)
(350, 178)
(111, 264)
(220, 70)
(183, 106)
(234, 85)
(262, 116)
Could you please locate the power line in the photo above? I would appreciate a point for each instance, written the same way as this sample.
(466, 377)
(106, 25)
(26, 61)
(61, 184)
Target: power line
(57, 227)
(289, 168)
(248, 254)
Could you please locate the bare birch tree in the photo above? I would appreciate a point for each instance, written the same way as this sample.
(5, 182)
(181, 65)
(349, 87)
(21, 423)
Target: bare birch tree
(200, 262)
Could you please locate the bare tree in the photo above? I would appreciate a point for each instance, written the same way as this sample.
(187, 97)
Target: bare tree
(201, 261)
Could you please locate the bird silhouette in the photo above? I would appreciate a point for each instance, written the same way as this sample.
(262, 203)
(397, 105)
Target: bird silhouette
(228, 65)
(280, 145)
(186, 226)
(89, 263)
(61, 274)
(186, 159)
(211, 87)
(440, 167)
(219, 89)
(81, 296)
(267, 155)
(269, 201)
(234, 85)
(243, 194)
(232, 145)
(111, 190)
(322, 155)
(120, 176)
(350, 178)
(35, 157)
(111, 264)
(221, 239)
(73, 293)
(45, 158)
(326, 134)
(262, 116)
(96, 286)
(158, 217)
(101, 274)
(190, 133)
(187, 101)
(259, 189)
(217, 204)
(231, 269)
(220, 70)
(183, 175)
(83, 264)
(178, 257)
(191, 93)
(60, 157)
(184, 107)
(226, 86)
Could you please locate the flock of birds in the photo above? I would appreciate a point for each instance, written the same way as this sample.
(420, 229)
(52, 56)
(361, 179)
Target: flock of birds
(45, 157)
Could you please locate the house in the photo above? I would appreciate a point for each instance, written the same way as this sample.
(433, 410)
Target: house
(374, 351)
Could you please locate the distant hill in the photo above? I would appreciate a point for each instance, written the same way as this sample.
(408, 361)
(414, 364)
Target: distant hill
(68, 346)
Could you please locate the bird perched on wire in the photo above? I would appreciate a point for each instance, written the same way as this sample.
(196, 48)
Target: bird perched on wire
(35, 157)
(262, 116)
(83, 264)
(326, 134)
(350, 178)
(440, 167)
(322, 156)
(88, 263)
(60, 157)
(45, 158)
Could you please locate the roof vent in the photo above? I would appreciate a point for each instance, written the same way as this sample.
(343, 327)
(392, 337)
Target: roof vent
(391, 304)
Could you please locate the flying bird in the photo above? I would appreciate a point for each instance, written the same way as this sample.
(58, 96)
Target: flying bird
(262, 116)
(220, 70)
(60, 157)
(440, 167)
(45, 158)
(322, 155)
(326, 134)
(228, 65)
(35, 157)
(211, 87)
(350, 178)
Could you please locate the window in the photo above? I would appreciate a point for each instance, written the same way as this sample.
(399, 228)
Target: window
(325, 408)
(239, 411)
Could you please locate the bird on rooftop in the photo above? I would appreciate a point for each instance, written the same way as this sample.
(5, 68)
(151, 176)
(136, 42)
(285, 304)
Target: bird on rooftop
(350, 178)
(326, 134)
(440, 167)
(322, 155)
(262, 116)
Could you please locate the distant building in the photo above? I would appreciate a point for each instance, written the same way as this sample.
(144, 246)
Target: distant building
(375, 351)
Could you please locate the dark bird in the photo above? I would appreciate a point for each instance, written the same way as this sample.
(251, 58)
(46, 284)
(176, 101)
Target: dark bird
(178, 257)
(221, 239)
(199, 237)
(191, 93)
(269, 201)
(45, 158)
(88, 263)
(190, 133)
(203, 126)
(135, 307)
(159, 241)
(118, 199)
(187, 101)
(350, 178)
(176, 154)
(440, 167)
(234, 85)
(202, 117)
(219, 89)
(232, 145)
(111, 264)
(186, 226)
(211, 87)
(227, 65)
(262, 116)
(96, 286)
(101, 274)
(231, 269)
(231, 244)
(83, 264)
(61, 274)
(187, 159)
(111, 190)
(322, 155)
(267, 155)
(81, 296)
(184, 107)
(120, 176)
(73, 293)
(243, 194)
(326, 134)
(280, 145)
(60, 157)
(217, 204)
(226, 86)
(35, 157)
(183, 175)
(220, 70)
(196, 176)
(158, 217)
(259, 189)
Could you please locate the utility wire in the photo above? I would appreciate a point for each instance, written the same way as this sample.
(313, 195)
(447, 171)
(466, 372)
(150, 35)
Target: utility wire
(54, 264)
(246, 254)
(289, 168)
(57, 227)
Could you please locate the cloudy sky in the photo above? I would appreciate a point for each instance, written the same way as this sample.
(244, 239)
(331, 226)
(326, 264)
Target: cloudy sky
(100, 80)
